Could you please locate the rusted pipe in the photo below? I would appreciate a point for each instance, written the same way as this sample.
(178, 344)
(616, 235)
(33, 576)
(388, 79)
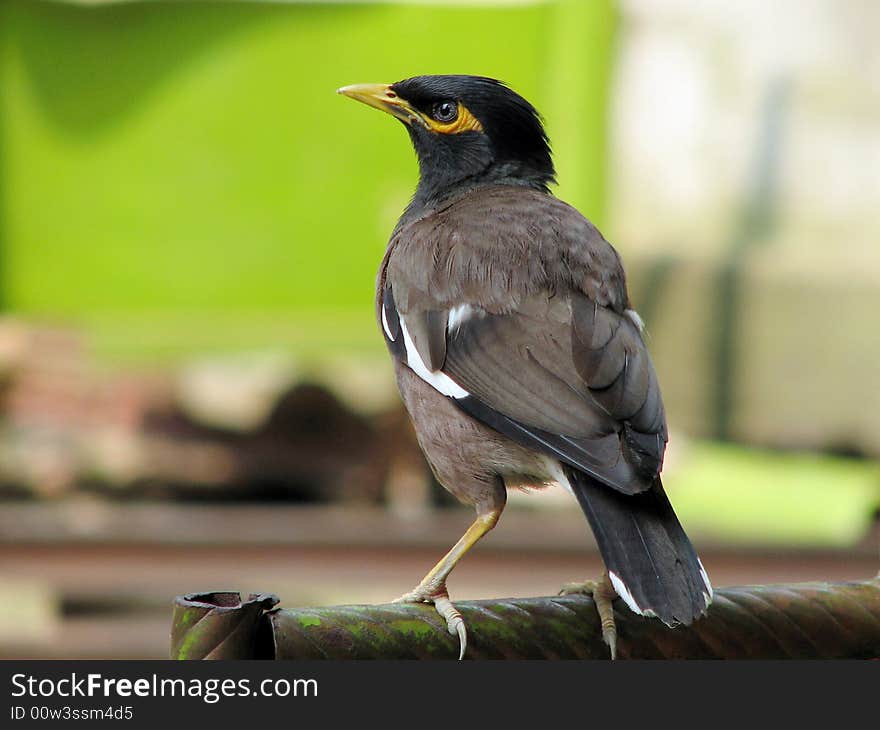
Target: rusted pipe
(797, 621)
(219, 625)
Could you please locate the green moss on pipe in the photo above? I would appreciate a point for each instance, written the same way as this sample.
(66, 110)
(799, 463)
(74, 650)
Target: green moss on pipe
(797, 621)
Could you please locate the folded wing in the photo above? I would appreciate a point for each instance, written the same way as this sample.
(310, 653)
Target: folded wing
(562, 375)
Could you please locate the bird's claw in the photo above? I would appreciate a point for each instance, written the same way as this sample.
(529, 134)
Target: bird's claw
(602, 593)
(447, 610)
(609, 636)
(454, 621)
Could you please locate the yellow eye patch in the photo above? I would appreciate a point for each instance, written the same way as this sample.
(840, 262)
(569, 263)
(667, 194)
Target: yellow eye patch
(464, 122)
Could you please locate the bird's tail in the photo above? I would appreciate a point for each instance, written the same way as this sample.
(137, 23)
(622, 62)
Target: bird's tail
(649, 558)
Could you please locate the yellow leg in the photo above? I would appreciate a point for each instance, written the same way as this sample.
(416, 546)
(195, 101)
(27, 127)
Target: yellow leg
(432, 588)
(437, 576)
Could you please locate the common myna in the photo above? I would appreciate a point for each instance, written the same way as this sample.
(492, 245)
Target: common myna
(516, 349)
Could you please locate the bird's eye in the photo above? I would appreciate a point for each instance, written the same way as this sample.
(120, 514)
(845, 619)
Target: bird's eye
(445, 111)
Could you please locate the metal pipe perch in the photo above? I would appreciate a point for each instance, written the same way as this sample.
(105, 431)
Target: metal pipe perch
(795, 621)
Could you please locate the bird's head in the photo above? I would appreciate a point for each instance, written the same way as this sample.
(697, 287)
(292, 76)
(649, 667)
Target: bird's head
(466, 130)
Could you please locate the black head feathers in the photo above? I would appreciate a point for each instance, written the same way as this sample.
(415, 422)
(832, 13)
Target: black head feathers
(472, 130)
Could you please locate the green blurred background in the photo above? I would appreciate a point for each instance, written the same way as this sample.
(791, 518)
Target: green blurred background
(191, 220)
(192, 158)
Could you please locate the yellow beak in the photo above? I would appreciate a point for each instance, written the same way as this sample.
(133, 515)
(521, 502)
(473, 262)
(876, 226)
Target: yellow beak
(382, 96)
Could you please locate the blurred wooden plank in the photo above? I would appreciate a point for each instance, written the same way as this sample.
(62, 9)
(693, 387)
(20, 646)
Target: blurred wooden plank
(96, 522)
(114, 582)
(99, 637)
(115, 578)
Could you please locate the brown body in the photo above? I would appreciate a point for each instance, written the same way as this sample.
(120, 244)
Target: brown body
(524, 287)
(473, 462)
(516, 351)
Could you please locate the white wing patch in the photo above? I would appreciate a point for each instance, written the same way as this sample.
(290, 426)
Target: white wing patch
(635, 319)
(385, 324)
(439, 381)
(461, 314)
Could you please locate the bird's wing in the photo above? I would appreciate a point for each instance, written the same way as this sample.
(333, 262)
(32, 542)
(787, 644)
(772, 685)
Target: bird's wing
(560, 374)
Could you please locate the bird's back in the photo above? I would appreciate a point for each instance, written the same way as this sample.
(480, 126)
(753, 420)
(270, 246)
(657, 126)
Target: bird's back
(495, 246)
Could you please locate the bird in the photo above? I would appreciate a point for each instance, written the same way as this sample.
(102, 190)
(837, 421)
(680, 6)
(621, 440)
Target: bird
(517, 351)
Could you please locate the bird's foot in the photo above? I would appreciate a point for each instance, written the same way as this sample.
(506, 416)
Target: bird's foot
(439, 596)
(603, 594)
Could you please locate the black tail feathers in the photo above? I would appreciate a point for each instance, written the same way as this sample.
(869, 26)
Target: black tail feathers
(650, 559)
